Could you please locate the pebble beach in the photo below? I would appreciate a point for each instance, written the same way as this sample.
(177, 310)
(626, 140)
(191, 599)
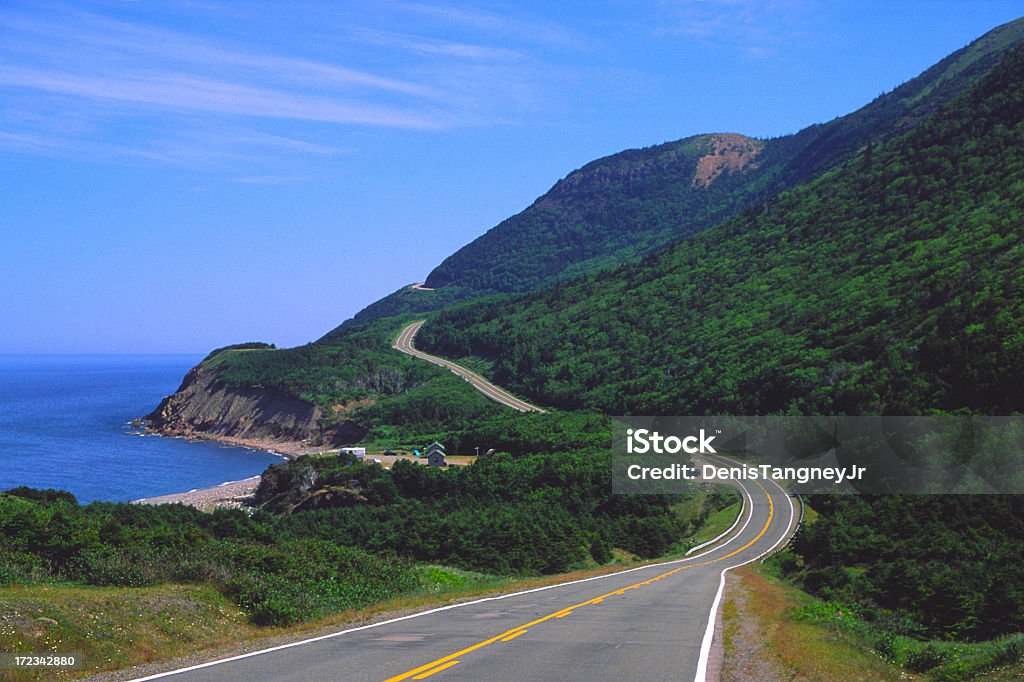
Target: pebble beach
(234, 494)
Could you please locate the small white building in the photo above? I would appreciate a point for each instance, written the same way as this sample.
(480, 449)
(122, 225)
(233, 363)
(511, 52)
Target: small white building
(360, 453)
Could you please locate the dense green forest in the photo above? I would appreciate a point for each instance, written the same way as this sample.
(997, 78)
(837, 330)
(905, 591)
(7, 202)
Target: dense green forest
(627, 205)
(936, 566)
(893, 285)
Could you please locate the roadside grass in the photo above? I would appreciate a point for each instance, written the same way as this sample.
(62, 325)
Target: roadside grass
(701, 505)
(475, 363)
(114, 628)
(717, 523)
(1008, 673)
(812, 639)
(730, 627)
(939, 659)
(797, 649)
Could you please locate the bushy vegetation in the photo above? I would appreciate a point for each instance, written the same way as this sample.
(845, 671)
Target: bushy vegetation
(941, 659)
(953, 566)
(334, 533)
(532, 433)
(541, 513)
(361, 378)
(891, 286)
(248, 345)
(362, 365)
(277, 576)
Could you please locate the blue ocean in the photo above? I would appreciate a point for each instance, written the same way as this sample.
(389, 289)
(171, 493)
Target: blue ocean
(65, 424)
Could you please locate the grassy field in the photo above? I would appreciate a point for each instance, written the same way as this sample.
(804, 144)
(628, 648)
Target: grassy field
(116, 627)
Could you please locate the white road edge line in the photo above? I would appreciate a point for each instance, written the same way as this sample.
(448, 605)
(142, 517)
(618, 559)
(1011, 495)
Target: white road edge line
(709, 631)
(332, 635)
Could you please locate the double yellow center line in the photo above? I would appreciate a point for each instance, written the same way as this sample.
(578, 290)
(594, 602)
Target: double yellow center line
(434, 667)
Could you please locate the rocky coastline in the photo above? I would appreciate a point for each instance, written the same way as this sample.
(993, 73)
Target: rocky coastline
(206, 408)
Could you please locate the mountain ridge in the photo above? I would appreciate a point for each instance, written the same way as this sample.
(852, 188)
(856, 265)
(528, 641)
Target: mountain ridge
(324, 373)
(562, 244)
(890, 285)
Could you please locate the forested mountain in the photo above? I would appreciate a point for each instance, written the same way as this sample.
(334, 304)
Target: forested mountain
(731, 319)
(622, 207)
(894, 284)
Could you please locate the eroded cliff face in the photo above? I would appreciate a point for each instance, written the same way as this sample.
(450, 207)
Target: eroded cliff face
(204, 407)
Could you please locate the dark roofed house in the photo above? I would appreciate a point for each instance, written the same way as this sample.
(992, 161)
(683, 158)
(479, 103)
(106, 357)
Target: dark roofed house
(435, 455)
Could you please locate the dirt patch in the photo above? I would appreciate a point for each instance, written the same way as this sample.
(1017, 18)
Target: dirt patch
(730, 152)
(352, 405)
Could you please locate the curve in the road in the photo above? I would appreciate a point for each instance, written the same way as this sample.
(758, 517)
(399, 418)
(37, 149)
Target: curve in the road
(650, 622)
(446, 662)
(404, 342)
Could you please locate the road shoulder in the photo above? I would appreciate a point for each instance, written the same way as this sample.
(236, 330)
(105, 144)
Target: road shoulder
(761, 641)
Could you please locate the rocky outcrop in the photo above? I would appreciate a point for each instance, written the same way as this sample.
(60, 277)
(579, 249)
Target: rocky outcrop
(204, 407)
(730, 153)
(297, 486)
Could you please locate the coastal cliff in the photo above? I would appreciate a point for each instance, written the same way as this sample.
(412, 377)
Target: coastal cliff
(207, 408)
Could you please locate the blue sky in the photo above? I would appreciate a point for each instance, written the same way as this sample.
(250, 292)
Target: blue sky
(181, 175)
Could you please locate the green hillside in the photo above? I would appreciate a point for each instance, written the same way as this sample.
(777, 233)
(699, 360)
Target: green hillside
(621, 209)
(892, 285)
(627, 205)
(361, 380)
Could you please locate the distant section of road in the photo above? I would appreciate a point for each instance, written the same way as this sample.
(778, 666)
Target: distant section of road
(404, 343)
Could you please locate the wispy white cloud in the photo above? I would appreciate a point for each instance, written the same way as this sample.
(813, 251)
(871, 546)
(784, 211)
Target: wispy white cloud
(182, 91)
(430, 46)
(269, 180)
(530, 29)
(758, 29)
(110, 43)
(131, 84)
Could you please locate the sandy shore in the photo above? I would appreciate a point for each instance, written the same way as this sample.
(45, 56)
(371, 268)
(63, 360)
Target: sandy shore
(234, 494)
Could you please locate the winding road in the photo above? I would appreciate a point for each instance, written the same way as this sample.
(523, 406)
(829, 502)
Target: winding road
(654, 622)
(404, 343)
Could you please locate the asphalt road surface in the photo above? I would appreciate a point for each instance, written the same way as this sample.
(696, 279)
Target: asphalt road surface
(649, 623)
(404, 343)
